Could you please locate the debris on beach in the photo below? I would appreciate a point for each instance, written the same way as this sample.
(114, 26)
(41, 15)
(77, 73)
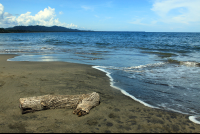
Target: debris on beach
(81, 104)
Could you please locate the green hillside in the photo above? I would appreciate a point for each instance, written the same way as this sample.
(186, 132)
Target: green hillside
(37, 28)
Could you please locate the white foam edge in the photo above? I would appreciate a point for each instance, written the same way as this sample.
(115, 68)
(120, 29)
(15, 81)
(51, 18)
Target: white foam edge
(191, 118)
(123, 91)
(13, 59)
(147, 65)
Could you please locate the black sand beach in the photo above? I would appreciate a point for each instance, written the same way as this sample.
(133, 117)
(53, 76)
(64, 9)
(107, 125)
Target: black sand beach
(116, 112)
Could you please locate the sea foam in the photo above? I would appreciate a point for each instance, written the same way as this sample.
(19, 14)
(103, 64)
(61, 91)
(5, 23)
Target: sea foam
(191, 118)
(123, 91)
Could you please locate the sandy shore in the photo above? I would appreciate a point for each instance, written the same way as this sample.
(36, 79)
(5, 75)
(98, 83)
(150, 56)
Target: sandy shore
(116, 112)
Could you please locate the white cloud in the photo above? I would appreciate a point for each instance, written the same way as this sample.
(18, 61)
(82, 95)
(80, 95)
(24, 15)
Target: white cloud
(71, 25)
(137, 22)
(87, 8)
(6, 14)
(143, 22)
(178, 11)
(1, 11)
(44, 17)
(60, 12)
(47, 14)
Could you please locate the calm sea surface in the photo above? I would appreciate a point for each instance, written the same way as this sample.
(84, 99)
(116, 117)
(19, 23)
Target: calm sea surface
(160, 70)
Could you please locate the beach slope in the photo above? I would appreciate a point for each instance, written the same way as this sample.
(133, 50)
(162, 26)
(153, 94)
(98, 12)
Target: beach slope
(116, 112)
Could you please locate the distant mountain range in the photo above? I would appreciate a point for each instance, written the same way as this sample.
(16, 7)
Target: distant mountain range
(37, 28)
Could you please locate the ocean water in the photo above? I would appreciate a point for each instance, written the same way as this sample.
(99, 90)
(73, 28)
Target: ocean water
(160, 70)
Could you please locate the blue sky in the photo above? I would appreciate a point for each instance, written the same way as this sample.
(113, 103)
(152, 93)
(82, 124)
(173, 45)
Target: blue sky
(104, 15)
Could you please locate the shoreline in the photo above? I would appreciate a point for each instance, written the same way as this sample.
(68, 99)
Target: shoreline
(123, 91)
(191, 117)
(116, 112)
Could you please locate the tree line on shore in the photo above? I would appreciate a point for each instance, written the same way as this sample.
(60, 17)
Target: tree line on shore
(37, 28)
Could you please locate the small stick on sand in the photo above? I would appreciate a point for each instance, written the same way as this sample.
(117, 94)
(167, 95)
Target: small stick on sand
(80, 103)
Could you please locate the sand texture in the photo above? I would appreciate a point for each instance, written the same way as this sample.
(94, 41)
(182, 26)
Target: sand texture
(116, 112)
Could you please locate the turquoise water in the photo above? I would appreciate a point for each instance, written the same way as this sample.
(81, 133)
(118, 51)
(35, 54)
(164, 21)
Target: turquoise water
(160, 70)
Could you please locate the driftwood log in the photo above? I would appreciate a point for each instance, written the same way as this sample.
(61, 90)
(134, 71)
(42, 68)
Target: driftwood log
(80, 103)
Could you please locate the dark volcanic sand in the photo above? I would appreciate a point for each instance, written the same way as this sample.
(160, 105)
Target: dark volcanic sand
(116, 112)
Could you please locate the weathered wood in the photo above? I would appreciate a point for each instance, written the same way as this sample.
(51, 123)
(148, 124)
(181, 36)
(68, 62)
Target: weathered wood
(80, 103)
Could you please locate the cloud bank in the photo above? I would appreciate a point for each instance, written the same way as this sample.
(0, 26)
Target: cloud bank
(177, 11)
(46, 17)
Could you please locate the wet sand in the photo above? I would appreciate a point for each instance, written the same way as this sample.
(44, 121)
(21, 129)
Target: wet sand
(116, 112)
